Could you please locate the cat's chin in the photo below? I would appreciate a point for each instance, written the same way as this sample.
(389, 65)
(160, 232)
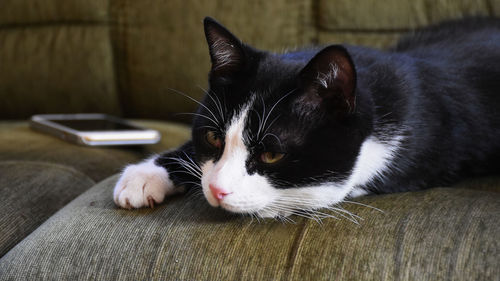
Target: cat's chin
(270, 214)
(257, 209)
(263, 213)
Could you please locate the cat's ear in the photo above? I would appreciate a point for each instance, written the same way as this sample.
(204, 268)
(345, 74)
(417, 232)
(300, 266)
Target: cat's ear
(226, 51)
(329, 80)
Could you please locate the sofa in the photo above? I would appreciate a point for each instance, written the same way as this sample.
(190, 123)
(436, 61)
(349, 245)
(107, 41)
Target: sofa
(123, 57)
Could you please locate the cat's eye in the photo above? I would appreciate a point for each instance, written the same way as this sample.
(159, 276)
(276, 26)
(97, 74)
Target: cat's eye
(213, 139)
(271, 157)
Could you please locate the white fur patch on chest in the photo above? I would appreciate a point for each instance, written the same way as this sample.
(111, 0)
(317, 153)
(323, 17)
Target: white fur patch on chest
(373, 160)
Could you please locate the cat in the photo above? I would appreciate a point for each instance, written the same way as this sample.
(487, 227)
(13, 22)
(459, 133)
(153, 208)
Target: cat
(283, 134)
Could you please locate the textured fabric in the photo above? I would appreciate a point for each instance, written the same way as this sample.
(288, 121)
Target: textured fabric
(162, 45)
(376, 24)
(22, 12)
(30, 193)
(118, 56)
(56, 57)
(121, 57)
(56, 69)
(397, 14)
(19, 142)
(438, 234)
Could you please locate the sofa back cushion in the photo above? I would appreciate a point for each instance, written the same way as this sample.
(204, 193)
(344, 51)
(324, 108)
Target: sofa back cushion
(56, 57)
(380, 24)
(125, 57)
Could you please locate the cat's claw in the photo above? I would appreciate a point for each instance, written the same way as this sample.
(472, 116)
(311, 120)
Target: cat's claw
(151, 202)
(127, 204)
(142, 185)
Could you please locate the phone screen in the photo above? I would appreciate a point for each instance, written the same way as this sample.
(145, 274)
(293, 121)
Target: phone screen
(94, 125)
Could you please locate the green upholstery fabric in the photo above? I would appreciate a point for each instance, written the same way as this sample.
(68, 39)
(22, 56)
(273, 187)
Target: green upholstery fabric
(164, 46)
(380, 24)
(19, 142)
(58, 69)
(438, 234)
(118, 56)
(30, 193)
(397, 14)
(39, 174)
(21, 12)
(56, 57)
(122, 57)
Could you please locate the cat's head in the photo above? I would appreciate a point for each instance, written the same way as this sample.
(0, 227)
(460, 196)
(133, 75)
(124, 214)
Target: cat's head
(276, 133)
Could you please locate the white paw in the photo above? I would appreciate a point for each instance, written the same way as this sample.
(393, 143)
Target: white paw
(141, 185)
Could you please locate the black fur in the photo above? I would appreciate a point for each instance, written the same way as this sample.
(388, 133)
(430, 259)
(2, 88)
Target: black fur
(438, 87)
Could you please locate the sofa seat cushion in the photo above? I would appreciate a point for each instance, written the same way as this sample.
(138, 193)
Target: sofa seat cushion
(437, 234)
(19, 143)
(30, 193)
(39, 174)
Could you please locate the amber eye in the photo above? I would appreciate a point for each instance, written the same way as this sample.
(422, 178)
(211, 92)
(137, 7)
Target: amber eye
(271, 157)
(213, 139)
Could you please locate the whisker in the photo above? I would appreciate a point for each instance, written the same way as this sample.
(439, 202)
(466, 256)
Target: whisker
(189, 167)
(339, 211)
(307, 213)
(192, 161)
(195, 169)
(349, 218)
(273, 135)
(199, 115)
(364, 205)
(274, 106)
(195, 193)
(216, 103)
(183, 172)
(272, 122)
(201, 104)
(354, 216)
(261, 120)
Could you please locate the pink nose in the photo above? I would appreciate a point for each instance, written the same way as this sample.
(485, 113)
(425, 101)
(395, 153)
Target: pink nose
(217, 192)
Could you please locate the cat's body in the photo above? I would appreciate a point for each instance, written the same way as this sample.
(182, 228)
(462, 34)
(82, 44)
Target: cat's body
(279, 134)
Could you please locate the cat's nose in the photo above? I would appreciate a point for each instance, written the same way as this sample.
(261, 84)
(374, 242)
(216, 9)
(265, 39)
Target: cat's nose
(217, 192)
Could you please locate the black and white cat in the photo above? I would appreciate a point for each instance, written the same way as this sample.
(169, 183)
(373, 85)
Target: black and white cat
(278, 134)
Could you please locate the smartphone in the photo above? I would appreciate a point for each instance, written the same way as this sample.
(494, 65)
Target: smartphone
(93, 129)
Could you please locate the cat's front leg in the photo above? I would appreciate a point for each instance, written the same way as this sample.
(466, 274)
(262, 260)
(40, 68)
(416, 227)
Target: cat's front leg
(151, 181)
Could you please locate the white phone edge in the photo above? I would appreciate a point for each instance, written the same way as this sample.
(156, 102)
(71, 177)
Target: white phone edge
(41, 122)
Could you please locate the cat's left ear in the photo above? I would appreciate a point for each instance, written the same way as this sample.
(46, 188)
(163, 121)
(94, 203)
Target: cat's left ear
(329, 79)
(226, 51)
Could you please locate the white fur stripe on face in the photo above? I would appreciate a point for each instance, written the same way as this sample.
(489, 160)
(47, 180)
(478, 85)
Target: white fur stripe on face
(231, 165)
(246, 193)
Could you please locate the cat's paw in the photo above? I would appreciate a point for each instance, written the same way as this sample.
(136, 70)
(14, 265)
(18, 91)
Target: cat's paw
(143, 184)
